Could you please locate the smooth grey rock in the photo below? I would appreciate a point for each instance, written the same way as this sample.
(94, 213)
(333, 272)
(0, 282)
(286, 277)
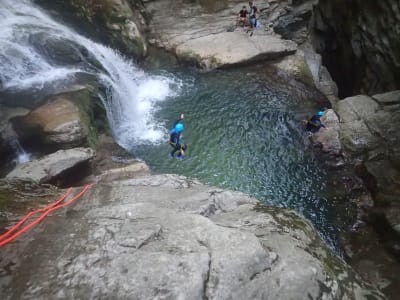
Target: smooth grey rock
(296, 66)
(58, 122)
(48, 167)
(229, 48)
(128, 171)
(149, 238)
(328, 137)
(356, 137)
(355, 108)
(389, 98)
(322, 79)
(357, 133)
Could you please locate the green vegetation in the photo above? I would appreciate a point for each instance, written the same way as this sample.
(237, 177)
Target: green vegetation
(92, 113)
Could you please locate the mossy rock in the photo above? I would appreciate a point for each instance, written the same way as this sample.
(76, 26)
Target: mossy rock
(106, 21)
(67, 120)
(342, 280)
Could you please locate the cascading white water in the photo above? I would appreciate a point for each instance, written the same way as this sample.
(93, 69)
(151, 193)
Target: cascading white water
(27, 65)
(22, 155)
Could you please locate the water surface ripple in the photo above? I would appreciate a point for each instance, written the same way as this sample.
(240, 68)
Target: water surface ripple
(245, 134)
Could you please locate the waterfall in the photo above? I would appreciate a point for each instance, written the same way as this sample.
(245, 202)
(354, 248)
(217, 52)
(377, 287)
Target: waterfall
(38, 53)
(22, 155)
(10, 137)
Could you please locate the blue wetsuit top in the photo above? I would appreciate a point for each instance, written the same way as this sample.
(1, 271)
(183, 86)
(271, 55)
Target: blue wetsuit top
(316, 121)
(175, 136)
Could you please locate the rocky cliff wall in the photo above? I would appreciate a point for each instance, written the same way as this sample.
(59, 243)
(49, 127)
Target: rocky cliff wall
(118, 23)
(359, 43)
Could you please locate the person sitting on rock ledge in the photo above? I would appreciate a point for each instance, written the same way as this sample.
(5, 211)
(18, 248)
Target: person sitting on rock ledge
(242, 17)
(314, 124)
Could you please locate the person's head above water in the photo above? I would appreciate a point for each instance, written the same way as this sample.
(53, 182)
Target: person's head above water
(179, 127)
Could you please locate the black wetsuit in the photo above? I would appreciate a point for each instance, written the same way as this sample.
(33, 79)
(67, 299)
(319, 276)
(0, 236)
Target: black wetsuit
(314, 124)
(174, 139)
(243, 13)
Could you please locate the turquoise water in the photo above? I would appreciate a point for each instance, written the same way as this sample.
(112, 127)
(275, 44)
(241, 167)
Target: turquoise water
(244, 133)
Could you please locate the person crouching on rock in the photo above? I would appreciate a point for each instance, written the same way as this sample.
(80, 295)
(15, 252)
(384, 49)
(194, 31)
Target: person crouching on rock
(242, 17)
(174, 139)
(314, 124)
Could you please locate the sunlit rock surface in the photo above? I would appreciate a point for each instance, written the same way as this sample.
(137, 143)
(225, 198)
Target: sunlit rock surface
(53, 166)
(205, 33)
(166, 236)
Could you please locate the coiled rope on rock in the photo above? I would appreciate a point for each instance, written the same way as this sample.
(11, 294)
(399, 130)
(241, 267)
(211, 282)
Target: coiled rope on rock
(47, 210)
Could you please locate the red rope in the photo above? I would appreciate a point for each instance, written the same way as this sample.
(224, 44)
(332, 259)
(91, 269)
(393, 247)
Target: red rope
(50, 209)
(35, 212)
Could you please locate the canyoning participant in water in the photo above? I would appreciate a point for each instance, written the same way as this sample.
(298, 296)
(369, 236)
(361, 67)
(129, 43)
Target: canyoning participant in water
(175, 139)
(314, 124)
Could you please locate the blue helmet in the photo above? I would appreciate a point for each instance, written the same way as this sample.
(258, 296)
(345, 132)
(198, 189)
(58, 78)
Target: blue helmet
(179, 127)
(320, 113)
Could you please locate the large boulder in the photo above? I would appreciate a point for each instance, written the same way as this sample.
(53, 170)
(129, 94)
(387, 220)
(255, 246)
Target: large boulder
(8, 137)
(230, 48)
(328, 139)
(184, 28)
(57, 122)
(368, 125)
(66, 120)
(52, 167)
(355, 133)
(169, 237)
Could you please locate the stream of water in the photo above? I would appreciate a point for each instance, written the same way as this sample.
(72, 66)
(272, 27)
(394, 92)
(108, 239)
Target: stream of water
(243, 131)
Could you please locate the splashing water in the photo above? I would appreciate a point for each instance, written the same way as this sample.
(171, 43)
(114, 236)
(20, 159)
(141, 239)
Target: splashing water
(32, 56)
(22, 155)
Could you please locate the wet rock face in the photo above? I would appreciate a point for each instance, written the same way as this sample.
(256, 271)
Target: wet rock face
(170, 237)
(57, 123)
(293, 21)
(118, 23)
(369, 132)
(66, 120)
(359, 42)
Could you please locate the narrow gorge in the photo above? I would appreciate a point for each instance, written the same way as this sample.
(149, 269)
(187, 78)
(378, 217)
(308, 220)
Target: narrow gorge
(259, 209)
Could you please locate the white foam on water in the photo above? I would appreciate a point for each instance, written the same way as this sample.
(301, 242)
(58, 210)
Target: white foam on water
(131, 95)
(23, 158)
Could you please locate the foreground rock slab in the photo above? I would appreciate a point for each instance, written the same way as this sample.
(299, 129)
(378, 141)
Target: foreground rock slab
(50, 167)
(168, 237)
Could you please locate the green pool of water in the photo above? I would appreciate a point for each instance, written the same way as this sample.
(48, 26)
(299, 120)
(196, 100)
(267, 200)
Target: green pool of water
(244, 133)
